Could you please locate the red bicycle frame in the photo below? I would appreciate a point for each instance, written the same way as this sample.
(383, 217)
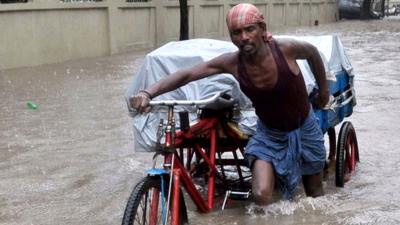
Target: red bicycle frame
(173, 160)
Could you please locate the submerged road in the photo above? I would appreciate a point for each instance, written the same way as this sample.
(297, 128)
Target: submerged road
(72, 160)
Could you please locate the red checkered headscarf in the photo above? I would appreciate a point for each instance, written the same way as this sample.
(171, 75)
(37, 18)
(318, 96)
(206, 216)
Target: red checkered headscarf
(243, 14)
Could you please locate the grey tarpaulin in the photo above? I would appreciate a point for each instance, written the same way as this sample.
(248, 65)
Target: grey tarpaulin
(184, 54)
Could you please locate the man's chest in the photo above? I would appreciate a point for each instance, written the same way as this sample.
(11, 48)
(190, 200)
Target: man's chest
(263, 77)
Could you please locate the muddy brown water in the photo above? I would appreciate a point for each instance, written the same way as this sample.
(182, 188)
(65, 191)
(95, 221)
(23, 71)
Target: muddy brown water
(71, 161)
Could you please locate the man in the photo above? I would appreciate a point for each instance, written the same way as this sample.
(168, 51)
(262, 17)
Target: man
(288, 143)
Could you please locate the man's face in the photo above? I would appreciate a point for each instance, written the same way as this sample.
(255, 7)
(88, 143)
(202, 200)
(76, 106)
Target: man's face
(247, 38)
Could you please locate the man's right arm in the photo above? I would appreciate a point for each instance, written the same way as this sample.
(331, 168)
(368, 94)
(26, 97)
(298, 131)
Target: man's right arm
(141, 100)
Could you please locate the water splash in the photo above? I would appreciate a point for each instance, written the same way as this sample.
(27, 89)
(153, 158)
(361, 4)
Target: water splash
(286, 207)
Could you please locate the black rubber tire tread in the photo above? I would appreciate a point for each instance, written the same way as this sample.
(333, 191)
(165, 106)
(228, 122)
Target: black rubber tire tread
(332, 142)
(134, 199)
(139, 190)
(346, 130)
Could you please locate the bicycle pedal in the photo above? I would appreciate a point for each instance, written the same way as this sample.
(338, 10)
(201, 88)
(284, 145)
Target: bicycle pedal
(235, 195)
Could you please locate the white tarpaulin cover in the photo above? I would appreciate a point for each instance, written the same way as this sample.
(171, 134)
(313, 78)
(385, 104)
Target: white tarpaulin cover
(184, 54)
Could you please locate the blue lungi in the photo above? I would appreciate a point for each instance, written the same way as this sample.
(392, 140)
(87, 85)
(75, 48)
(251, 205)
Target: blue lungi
(292, 154)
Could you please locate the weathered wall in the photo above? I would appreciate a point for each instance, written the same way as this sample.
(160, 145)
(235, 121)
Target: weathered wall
(47, 31)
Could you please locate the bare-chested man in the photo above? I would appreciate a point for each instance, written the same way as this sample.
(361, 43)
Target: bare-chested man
(288, 144)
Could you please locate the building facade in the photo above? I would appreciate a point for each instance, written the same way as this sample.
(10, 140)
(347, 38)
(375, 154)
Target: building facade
(36, 32)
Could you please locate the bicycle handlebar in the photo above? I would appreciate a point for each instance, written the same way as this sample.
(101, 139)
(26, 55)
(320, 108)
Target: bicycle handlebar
(216, 101)
(187, 102)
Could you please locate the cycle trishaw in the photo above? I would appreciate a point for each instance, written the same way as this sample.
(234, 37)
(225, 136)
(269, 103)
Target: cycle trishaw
(210, 152)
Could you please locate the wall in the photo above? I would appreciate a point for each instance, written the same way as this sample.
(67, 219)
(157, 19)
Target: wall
(48, 31)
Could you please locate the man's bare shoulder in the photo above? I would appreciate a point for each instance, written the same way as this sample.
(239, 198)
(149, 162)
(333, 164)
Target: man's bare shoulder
(294, 48)
(227, 61)
(229, 57)
(288, 43)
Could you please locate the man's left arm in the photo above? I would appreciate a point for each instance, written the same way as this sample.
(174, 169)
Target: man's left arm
(307, 51)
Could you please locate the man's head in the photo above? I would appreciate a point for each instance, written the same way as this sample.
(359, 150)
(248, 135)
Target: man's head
(243, 14)
(247, 27)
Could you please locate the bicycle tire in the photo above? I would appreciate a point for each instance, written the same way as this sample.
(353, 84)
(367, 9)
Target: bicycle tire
(149, 186)
(347, 154)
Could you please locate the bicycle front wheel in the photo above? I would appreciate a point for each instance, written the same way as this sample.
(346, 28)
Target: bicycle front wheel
(147, 203)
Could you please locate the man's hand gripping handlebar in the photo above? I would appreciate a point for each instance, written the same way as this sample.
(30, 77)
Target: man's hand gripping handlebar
(140, 102)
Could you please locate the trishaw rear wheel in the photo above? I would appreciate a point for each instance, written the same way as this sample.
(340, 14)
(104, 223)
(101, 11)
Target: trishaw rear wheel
(347, 154)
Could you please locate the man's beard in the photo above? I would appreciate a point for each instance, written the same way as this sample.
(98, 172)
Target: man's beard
(247, 49)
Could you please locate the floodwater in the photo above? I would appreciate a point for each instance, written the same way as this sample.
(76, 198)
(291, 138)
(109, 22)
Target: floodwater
(71, 161)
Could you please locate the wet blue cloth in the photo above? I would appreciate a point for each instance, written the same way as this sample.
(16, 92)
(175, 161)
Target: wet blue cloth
(292, 154)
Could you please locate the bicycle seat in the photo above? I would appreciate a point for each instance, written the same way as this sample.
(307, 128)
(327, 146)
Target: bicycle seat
(222, 102)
